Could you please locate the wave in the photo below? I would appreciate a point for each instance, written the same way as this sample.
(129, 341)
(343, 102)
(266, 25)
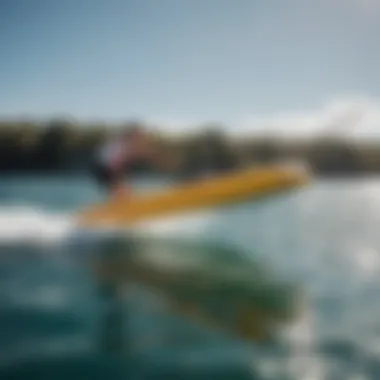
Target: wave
(35, 225)
(27, 224)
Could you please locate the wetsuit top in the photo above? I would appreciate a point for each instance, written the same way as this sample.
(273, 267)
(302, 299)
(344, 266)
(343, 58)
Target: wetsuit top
(114, 154)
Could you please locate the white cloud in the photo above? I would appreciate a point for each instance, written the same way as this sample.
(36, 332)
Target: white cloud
(355, 117)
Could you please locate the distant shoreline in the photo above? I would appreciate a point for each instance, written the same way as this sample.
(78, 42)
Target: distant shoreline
(66, 150)
(87, 175)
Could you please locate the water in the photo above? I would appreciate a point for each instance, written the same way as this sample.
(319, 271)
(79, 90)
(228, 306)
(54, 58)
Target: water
(324, 237)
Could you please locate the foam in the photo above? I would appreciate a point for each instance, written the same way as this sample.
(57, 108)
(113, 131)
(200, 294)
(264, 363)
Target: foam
(37, 226)
(25, 224)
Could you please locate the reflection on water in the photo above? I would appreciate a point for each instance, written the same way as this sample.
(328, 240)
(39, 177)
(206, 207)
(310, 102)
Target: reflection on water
(324, 238)
(185, 319)
(208, 282)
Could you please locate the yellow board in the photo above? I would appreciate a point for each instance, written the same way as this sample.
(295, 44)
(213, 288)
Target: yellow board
(225, 189)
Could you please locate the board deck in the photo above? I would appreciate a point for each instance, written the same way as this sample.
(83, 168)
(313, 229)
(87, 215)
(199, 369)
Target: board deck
(199, 194)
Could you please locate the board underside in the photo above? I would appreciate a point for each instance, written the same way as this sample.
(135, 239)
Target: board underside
(240, 186)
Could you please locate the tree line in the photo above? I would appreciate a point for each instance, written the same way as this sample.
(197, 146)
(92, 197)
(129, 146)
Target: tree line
(67, 148)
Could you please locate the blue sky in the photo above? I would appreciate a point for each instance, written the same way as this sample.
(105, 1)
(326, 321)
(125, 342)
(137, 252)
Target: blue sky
(177, 62)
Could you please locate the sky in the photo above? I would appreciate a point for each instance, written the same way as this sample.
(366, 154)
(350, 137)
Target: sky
(293, 66)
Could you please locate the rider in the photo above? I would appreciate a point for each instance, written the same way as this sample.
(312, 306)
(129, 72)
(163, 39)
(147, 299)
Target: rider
(116, 157)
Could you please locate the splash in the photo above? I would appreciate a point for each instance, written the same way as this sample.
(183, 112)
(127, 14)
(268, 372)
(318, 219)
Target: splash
(24, 224)
(37, 226)
(183, 225)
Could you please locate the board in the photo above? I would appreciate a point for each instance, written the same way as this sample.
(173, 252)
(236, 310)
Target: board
(239, 186)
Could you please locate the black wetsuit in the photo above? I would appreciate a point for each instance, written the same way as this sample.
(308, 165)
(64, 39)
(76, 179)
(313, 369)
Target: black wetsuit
(103, 164)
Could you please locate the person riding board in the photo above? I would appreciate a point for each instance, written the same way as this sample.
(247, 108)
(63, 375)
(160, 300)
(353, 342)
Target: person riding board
(115, 159)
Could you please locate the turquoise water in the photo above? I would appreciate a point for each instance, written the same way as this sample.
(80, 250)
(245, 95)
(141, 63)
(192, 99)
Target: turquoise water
(325, 237)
